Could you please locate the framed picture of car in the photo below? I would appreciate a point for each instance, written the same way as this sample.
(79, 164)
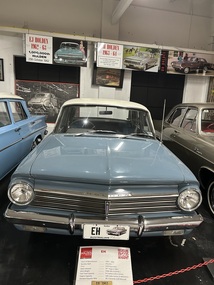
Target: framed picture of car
(1, 69)
(109, 77)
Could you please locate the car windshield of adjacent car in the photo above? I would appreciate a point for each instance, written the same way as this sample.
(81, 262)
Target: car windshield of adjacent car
(207, 121)
(142, 54)
(104, 120)
(69, 45)
(192, 59)
(39, 95)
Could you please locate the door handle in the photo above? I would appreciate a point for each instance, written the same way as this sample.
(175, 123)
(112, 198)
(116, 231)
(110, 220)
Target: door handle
(17, 129)
(32, 123)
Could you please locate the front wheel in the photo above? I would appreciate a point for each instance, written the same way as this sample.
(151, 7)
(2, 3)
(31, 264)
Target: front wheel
(186, 70)
(210, 197)
(35, 143)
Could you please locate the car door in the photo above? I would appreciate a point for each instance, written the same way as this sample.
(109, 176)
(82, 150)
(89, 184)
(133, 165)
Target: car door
(185, 139)
(171, 129)
(23, 126)
(10, 139)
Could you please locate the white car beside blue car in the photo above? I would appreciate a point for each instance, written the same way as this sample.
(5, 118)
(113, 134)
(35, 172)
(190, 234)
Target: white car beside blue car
(20, 131)
(103, 168)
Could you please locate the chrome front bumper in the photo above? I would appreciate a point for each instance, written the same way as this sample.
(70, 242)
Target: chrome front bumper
(40, 222)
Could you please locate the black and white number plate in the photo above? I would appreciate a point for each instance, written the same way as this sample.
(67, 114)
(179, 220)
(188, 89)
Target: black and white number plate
(97, 231)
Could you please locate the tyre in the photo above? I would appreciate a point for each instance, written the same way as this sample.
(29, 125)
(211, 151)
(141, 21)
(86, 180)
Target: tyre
(35, 143)
(210, 197)
(186, 70)
(145, 67)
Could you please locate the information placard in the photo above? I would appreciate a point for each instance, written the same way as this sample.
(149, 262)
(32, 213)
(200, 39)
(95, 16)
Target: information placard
(110, 55)
(104, 265)
(39, 49)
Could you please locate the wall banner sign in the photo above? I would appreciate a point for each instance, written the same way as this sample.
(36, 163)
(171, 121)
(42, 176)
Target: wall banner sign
(193, 63)
(39, 49)
(69, 52)
(141, 58)
(109, 55)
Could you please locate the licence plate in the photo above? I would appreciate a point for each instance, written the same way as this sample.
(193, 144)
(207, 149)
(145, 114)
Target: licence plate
(99, 231)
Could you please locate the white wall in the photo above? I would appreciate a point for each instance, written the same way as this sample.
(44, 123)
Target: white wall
(181, 23)
(195, 88)
(9, 46)
(93, 91)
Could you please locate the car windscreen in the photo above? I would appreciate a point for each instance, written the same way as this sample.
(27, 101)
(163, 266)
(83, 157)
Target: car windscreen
(106, 119)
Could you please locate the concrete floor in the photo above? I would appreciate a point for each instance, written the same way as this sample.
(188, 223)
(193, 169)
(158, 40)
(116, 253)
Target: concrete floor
(42, 259)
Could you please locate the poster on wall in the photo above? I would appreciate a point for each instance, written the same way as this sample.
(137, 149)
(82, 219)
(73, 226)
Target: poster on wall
(39, 49)
(46, 98)
(69, 52)
(141, 58)
(181, 62)
(108, 77)
(109, 55)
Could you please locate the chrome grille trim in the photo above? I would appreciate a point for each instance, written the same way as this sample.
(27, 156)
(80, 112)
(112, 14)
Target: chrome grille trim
(97, 205)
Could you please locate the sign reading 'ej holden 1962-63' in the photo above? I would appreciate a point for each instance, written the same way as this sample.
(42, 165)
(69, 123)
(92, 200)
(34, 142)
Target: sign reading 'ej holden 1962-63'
(39, 49)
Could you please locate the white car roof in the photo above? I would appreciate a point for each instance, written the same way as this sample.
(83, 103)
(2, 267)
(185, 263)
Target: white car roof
(5, 95)
(104, 102)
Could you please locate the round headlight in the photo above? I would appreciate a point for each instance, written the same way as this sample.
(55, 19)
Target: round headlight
(21, 194)
(189, 199)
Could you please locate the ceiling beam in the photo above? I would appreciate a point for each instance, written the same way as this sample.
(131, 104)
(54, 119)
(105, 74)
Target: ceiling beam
(119, 10)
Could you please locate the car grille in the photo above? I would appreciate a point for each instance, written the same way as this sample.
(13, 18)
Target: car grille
(116, 206)
(132, 62)
(70, 57)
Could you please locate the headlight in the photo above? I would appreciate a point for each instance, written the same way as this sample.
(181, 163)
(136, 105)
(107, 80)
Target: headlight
(21, 193)
(189, 199)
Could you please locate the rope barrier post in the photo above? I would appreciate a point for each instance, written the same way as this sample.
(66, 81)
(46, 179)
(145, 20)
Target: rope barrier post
(210, 266)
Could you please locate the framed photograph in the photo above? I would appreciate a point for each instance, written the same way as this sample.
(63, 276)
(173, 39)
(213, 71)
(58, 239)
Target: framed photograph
(109, 77)
(1, 69)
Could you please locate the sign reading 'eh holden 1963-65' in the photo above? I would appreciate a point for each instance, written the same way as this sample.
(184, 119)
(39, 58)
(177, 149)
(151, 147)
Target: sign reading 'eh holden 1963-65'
(39, 49)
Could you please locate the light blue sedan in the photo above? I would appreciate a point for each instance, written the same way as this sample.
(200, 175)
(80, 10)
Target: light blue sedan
(103, 168)
(20, 131)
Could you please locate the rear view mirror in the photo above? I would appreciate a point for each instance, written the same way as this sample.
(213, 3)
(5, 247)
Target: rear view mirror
(105, 112)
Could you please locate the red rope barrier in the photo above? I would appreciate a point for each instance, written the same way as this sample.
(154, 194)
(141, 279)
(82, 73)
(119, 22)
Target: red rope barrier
(174, 272)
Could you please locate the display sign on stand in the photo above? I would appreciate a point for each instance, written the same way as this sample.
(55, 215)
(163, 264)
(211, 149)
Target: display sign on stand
(104, 265)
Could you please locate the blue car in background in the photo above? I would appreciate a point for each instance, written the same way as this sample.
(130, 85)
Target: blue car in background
(20, 131)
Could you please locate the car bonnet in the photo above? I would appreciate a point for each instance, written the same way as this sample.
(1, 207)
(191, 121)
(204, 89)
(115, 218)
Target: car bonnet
(106, 160)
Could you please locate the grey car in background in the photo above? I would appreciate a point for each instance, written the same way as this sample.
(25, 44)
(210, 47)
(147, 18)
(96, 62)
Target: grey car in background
(189, 133)
(141, 60)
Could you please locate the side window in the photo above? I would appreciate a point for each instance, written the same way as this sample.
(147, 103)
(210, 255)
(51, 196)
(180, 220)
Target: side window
(4, 115)
(18, 111)
(176, 117)
(189, 122)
